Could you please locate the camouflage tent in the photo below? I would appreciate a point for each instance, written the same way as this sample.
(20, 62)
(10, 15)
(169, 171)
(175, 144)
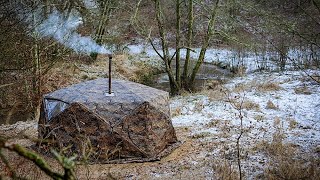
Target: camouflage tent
(132, 125)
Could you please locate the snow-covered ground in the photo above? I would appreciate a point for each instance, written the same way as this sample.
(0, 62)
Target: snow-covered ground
(252, 61)
(281, 112)
(275, 107)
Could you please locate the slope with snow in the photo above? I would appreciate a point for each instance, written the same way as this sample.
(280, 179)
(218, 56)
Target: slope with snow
(293, 118)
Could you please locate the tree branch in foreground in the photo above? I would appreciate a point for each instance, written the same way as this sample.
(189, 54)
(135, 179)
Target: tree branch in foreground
(66, 163)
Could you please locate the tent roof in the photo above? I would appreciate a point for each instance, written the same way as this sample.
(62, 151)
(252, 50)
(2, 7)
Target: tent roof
(127, 96)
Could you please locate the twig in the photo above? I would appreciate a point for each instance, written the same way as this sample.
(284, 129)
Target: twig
(239, 108)
(154, 48)
(5, 161)
(5, 85)
(67, 163)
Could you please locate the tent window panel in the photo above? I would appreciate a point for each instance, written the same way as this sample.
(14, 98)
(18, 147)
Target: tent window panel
(54, 107)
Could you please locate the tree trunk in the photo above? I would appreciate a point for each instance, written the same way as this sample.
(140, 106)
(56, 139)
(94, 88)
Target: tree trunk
(189, 43)
(209, 34)
(36, 72)
(174, 87)
(106, 10)
(178, 37)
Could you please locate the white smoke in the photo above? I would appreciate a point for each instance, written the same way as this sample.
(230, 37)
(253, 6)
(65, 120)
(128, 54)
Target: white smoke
(63, 29)
(90, 4)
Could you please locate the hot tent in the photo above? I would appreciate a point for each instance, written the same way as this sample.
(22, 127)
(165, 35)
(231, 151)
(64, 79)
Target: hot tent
(132, 125)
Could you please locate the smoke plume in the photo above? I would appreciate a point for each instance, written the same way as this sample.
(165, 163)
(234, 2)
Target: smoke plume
(63, 29)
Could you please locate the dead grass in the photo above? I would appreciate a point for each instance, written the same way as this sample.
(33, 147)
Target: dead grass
(250, 105)
(201, 135)
(62, 75)
(287, 163)
(271, 105)
(292, 123)
(292, 168)
(214, 123)
(316, 78)
(276, 147)
(259, 118)
(239, 70)
(268, 86)
(145, 73)
(285, 159)
(224, 170)
(276, 122)
(302, 90)
(258, 86)
(243, 87)
(246, 104)
(214, 84)
(123, 68)
(176, 111)
(214, 95)
(198, 107)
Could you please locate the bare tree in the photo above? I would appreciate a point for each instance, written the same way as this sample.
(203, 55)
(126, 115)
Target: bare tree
(105, 9)
(187, 82)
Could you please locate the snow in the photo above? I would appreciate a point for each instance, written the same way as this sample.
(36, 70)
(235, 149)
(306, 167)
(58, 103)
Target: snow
(250, 60)
(190, 120)
(297, 116)
(302, 108)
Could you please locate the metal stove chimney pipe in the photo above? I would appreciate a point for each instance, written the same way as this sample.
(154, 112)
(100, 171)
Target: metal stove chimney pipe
(110, 61)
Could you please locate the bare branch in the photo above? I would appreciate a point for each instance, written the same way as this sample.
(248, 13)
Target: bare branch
(154, 48)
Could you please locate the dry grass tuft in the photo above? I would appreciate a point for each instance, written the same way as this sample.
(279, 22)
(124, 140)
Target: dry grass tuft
(247, 104)
(292, 123)
(276, 147)
(316, 78)
(214, 123)
(288, 167)
(302, 90)
(286, 163)
(271, 105)
(317, 149)
(243, 87)
(214, 84)
(225, 170)
(259, 118)
(276, 122)
(198, 107)
(239, 70)
(214, 95)
(269, 86)
(144, 74)
(176, 111)
(201, 135)
(285, 160)
(261, 87)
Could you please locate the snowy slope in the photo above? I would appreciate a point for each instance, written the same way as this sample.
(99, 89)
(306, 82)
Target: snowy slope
(294, 118)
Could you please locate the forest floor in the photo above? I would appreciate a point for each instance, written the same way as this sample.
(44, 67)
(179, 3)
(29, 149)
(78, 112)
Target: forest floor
(280, 133)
